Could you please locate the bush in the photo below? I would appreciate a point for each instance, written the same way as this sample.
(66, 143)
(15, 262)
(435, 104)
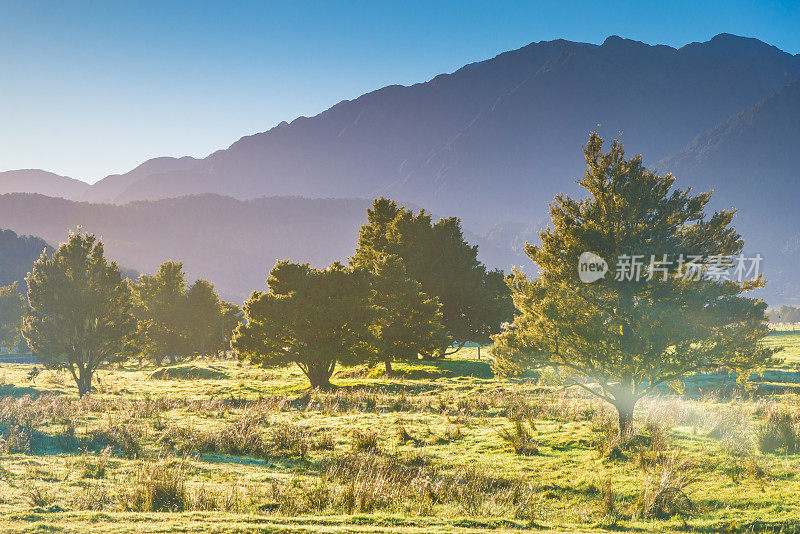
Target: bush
(662, 495)
(159, 487)
(365, 442)
(290, 439)
(778, 433)
(521, 438)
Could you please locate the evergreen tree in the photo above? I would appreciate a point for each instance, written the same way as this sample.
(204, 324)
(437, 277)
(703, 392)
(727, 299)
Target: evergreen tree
(161, 311)
(80, 309)
(204, 316)
(408, 323)
(312, 318)
(231, 317)
(620, 336)
(473, 303)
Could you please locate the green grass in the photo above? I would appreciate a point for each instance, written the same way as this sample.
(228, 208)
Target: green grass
(441, 463)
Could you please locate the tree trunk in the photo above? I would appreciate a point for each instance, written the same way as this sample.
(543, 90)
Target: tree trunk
(388, 362)
(84, 381)
(319, 376)
(625, 408)
(172, 359)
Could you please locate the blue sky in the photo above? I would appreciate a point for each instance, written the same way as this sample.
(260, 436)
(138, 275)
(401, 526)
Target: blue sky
(94, 88)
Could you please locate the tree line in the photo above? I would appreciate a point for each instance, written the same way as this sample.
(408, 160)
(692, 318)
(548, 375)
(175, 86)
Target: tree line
(415, 289)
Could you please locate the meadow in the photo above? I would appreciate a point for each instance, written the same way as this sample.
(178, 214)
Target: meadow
(222, 446)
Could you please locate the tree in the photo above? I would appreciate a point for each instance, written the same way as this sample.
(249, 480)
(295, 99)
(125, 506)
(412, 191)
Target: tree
(80, 309)
(204, 316)
(12, 310)
(622, 337)
(232, 317)
(408, 323)
(473, 303)
(161, 311)
(312, 318)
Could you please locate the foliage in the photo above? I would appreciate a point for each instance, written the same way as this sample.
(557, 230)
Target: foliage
(160, 309)
(174, 320)
(631, 336)
(203, 313)
(80, 309)
(12, 310)
(778, 433)
(407, 323)
(474, 301)
(312, 318)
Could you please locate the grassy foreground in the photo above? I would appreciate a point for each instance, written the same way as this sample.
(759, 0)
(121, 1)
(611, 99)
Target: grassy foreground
(442, 447)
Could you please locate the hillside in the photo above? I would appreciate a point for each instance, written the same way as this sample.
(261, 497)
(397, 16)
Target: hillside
(752, 162)
(17, 254)
(230, 242)
(506, 130)
(43, 182)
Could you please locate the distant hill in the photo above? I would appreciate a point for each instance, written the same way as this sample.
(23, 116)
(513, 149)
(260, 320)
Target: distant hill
(17, 254)
(232, 243)
(111, 187)
(43, 182)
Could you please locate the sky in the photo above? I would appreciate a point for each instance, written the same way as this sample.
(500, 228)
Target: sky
(89, 89)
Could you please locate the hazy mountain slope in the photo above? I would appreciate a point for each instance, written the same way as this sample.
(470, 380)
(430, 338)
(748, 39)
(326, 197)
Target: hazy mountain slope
(517, 155)
(502, 135)
(38, 181)
(17, 254)
(230, 242)
(110, 187)
(752, 162)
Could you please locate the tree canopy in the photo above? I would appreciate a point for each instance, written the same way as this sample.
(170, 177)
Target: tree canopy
(310, 317)
(474, 301)
(175, 320)
(407, 323)
(80, 309)
(624, 336)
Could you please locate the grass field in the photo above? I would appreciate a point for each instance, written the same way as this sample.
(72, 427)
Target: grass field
(437, 447)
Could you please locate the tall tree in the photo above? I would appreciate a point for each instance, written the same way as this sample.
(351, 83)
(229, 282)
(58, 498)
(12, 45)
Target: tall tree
(160, 308)
(232, 317)
(622, 336)
(13, 308)
(436, 255)
(407, 323)
(312, 318)
(203, 315)
(80, 309)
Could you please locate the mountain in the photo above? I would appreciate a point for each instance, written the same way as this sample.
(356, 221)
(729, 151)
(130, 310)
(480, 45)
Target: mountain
(232, 243)
(38, 181)
(17, 254)
(111, 187)
(501, 135)
(752, 162)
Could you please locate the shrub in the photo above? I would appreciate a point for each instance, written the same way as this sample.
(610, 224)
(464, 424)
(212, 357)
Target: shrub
(158, 487)
(365, 441)
(521, 438)
(662, 494)
(39, 496)
(778, 433)
(94, 497)
(289, 438)
(124, 436)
